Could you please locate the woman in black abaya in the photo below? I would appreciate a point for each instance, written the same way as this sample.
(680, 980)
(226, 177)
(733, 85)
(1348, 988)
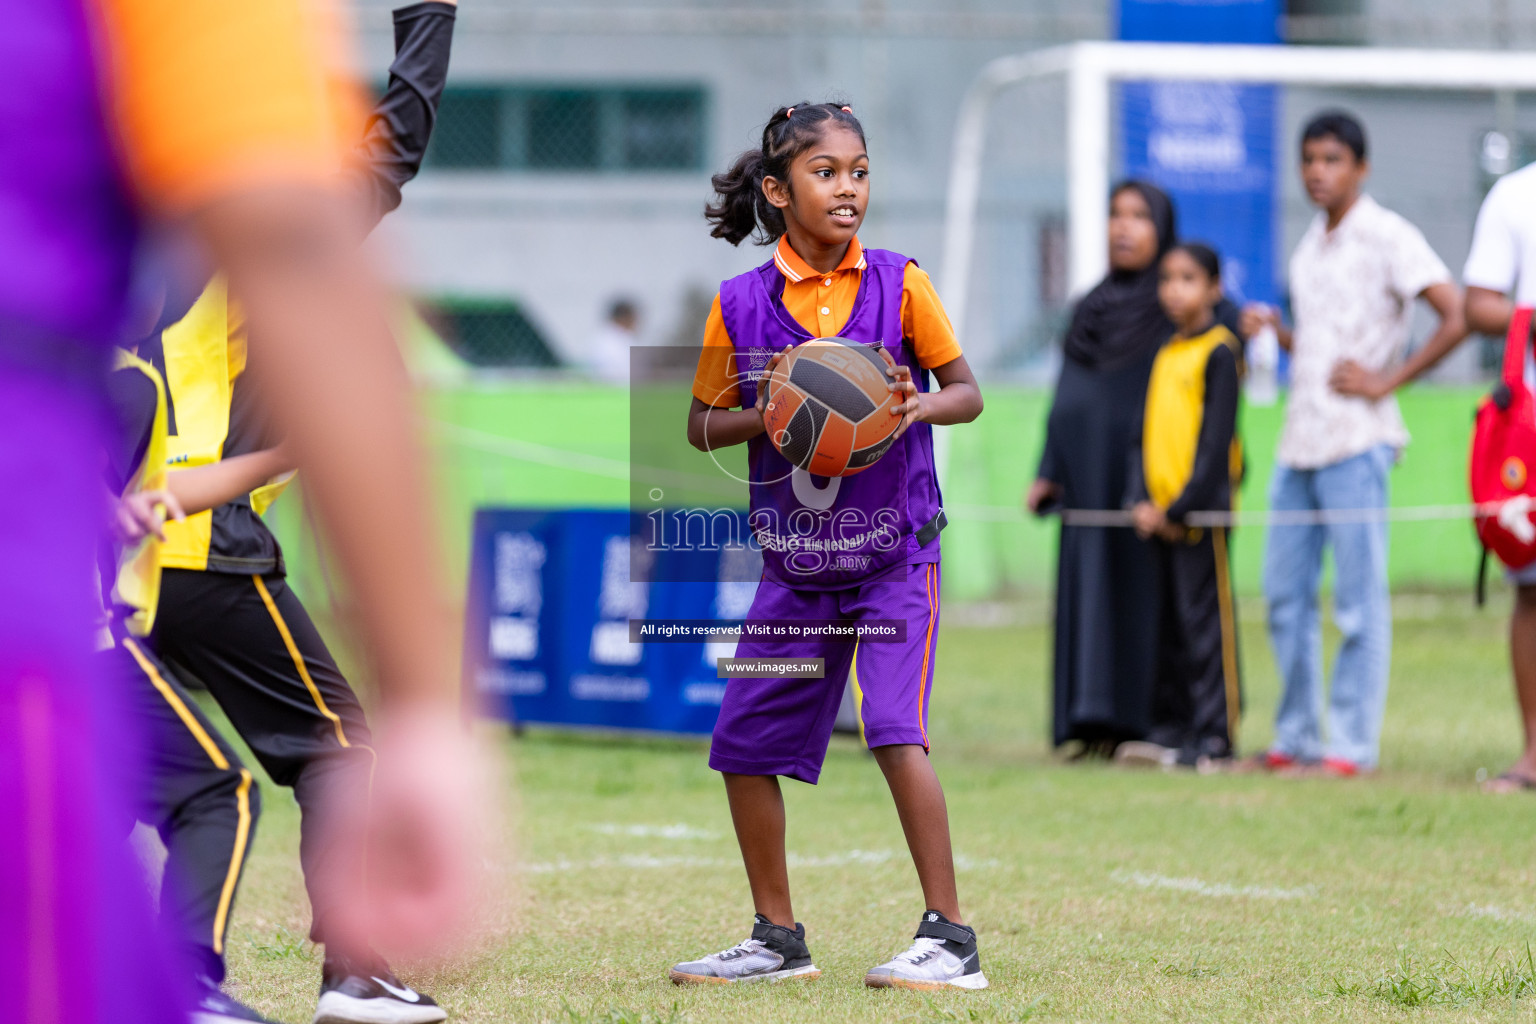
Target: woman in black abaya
(1106, 582)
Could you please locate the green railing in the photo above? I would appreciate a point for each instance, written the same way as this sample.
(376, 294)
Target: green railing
(557, 443)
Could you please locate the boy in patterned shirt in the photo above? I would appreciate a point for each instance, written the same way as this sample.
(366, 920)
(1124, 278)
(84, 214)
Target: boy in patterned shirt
(1354, 277)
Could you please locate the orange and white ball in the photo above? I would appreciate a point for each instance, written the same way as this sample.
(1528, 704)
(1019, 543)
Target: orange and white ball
(829, 406)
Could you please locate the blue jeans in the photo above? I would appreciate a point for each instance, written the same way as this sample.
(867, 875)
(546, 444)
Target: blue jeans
(1293, 563)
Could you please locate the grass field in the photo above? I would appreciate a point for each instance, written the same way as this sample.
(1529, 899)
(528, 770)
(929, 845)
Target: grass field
(1099, 894)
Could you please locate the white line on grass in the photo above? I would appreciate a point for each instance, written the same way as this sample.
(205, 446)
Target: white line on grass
(580, 462)
(645, 862)
(528, 451)
(1204, 888)
(630, 861)
(608, 828)
(1495, 913)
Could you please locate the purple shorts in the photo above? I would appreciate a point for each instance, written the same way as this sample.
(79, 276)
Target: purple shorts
(774, 726)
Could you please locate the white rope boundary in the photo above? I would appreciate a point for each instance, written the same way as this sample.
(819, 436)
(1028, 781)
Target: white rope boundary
(1297, 517)
(1513, 511)
(1108, 518)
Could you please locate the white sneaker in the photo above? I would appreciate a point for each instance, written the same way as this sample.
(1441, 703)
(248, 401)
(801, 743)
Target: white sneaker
(943, 955)
(772, 953)
(374, 998)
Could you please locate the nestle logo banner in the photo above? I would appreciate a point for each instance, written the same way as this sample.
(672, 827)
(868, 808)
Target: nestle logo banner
(1200, 21)
(1209, 145)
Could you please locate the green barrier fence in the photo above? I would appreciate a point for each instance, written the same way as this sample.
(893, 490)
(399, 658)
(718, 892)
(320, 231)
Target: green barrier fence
(566, 444)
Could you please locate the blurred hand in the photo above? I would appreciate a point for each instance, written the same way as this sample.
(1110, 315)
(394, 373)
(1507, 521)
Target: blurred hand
(911, 408)
(427, 834)
(1041, 492)
(144, 513)
(1148, 520)
(1350, 378)
(1255, 317)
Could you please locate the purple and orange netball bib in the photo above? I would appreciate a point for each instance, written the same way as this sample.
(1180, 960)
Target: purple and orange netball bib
(826, 533)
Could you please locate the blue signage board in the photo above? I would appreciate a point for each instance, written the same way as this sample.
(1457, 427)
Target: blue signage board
(1209, 145)
(547, 624)
(1199, 21)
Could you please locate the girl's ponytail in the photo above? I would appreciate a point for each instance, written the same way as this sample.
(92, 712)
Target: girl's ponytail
(742, 205)
(742, 210)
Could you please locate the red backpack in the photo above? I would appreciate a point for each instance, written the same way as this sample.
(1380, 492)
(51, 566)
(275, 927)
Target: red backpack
(1503, 465)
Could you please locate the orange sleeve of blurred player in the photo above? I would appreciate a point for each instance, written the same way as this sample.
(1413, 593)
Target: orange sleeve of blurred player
(924, 321)
(714, 382)
(212, 97)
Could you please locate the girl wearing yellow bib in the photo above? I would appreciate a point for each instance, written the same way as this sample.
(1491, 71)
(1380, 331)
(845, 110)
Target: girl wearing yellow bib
(189, 784)
(1188, 458)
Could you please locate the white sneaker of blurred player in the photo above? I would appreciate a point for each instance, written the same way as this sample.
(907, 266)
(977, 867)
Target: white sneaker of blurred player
(942, 955)
(350, 996)
(771, 953)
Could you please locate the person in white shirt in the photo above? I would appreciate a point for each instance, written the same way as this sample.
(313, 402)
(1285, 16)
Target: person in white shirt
(1500, 274)
(1354, 278)
(607, 356)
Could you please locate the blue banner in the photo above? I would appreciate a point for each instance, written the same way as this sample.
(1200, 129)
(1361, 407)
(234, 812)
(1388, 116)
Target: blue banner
(1199, 21)
(1211, 146)
(551, 595)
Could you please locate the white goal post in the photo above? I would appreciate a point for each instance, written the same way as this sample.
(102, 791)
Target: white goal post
(1089, 69)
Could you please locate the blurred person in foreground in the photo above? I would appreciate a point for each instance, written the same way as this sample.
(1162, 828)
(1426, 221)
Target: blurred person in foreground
(213, 120)
(1354, 276)
(194, 791)
(1187, 458)
(1501, 273)
(227, 615)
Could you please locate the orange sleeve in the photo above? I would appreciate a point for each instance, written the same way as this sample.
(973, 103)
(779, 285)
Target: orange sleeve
(714, 382)
(212, 97)
(924, 321)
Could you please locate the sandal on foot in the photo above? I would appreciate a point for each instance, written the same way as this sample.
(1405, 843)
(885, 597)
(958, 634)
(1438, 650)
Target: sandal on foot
(1509, 782)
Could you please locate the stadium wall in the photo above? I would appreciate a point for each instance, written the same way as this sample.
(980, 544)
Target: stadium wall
(564, 244)
(521, 235)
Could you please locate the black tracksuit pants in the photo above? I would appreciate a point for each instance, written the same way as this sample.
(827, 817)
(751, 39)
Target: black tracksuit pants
(195, 792)
(1198, 694)
(252, 644)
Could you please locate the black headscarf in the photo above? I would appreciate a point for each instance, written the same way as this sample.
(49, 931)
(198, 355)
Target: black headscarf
(1120, 320)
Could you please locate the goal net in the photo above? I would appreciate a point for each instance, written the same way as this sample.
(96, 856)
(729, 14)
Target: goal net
(1040, 137)
(1038, 141)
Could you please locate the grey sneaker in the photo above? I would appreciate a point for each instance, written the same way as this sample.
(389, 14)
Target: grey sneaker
(772, 953)
(943, 955)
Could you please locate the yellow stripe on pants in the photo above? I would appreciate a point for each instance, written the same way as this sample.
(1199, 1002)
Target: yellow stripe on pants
(1228, 634)
(298, 660)
(858, 693)
(242, 792)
